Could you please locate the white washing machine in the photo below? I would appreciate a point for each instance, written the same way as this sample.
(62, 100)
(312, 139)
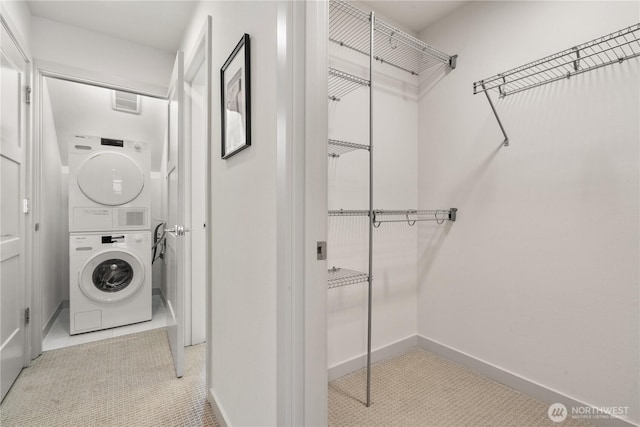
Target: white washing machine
(110, 280)
(109, 185)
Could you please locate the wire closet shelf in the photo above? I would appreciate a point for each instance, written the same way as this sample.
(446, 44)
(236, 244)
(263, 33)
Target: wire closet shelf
(341, 84)
(336, 148)
(338, 277)
(606, 50)
(350, 27)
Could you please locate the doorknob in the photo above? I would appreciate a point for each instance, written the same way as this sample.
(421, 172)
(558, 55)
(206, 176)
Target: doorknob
(178, 230)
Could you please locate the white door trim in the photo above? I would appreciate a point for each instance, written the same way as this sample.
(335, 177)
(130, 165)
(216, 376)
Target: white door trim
(204, 46)
(315, 213)
(302, 31)
(12, 29)
(200, 55)
(288, 400)
(95, 78)
(44, 69)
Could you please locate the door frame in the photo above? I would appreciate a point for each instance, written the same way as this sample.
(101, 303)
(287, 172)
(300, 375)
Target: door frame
(302, 133)
(314, 204)
(43, 69)
(200, 55)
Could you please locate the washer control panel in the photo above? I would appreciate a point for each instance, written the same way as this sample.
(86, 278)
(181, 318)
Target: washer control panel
(85, 242)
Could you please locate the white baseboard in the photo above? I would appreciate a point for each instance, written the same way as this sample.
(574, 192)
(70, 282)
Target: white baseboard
(52, 318)
(514, 381)
(378, 355)
(221, 416)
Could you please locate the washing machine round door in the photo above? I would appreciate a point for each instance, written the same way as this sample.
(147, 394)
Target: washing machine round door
(112, 276)
(110, 179)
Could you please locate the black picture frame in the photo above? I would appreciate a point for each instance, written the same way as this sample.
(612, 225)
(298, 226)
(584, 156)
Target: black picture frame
(235, 96)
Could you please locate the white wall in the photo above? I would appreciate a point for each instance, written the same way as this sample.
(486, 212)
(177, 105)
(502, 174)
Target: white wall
(55, 262)
(539, 275)
(113, 58)
(395, 187)
(87, 110)
(243, 197)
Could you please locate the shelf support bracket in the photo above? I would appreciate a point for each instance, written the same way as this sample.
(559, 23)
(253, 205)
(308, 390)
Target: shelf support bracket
(495, 113)
(453, 62)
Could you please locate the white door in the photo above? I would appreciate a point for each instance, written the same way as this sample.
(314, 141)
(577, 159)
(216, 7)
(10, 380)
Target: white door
(13, 130)
(176, 199)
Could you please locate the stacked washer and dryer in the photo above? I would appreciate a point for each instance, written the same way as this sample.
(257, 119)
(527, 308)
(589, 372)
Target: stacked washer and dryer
(109, 233)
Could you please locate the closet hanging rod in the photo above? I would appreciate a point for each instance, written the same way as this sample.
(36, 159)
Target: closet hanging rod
(349, 27)
(610, 49)
(439, 214)
(413, 216)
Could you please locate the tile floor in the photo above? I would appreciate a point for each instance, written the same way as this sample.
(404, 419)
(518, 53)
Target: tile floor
(59, 337)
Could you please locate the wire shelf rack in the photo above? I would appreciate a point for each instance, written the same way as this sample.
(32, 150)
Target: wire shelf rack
(341, 84)
(350, 27)
(606, 50)
(338, 277)
(336, 147)
(343, 212)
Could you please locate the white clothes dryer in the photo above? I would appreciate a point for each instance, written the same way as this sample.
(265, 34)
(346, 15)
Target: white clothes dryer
(109, 185)
(110, 280)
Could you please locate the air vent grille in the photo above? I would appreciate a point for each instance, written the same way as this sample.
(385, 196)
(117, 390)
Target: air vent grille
(126, 102)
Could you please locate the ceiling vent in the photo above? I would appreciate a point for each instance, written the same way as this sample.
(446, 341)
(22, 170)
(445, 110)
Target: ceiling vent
(126, 102)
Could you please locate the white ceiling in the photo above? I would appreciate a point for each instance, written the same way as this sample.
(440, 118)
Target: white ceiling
(80, 109)
(415, 15)
(161, 23)
(158, 24)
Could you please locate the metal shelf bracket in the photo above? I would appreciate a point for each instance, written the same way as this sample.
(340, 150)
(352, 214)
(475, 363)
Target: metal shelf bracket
(495, 113)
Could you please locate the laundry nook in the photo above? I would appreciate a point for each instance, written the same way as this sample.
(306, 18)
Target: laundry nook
(110, 239)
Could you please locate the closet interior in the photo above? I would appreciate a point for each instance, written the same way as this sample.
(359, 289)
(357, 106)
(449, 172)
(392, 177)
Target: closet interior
(376, 41)
(407, 137)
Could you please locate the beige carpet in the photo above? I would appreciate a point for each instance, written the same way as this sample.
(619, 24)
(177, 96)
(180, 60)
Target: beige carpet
(422, 389)
(123, 381)
(130, 381)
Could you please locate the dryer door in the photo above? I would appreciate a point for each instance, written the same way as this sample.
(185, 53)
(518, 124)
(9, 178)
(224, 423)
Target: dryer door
(111, 276)
(110, 179)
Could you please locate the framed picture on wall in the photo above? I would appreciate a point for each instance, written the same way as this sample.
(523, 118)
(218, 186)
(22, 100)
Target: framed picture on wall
(235, 96)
